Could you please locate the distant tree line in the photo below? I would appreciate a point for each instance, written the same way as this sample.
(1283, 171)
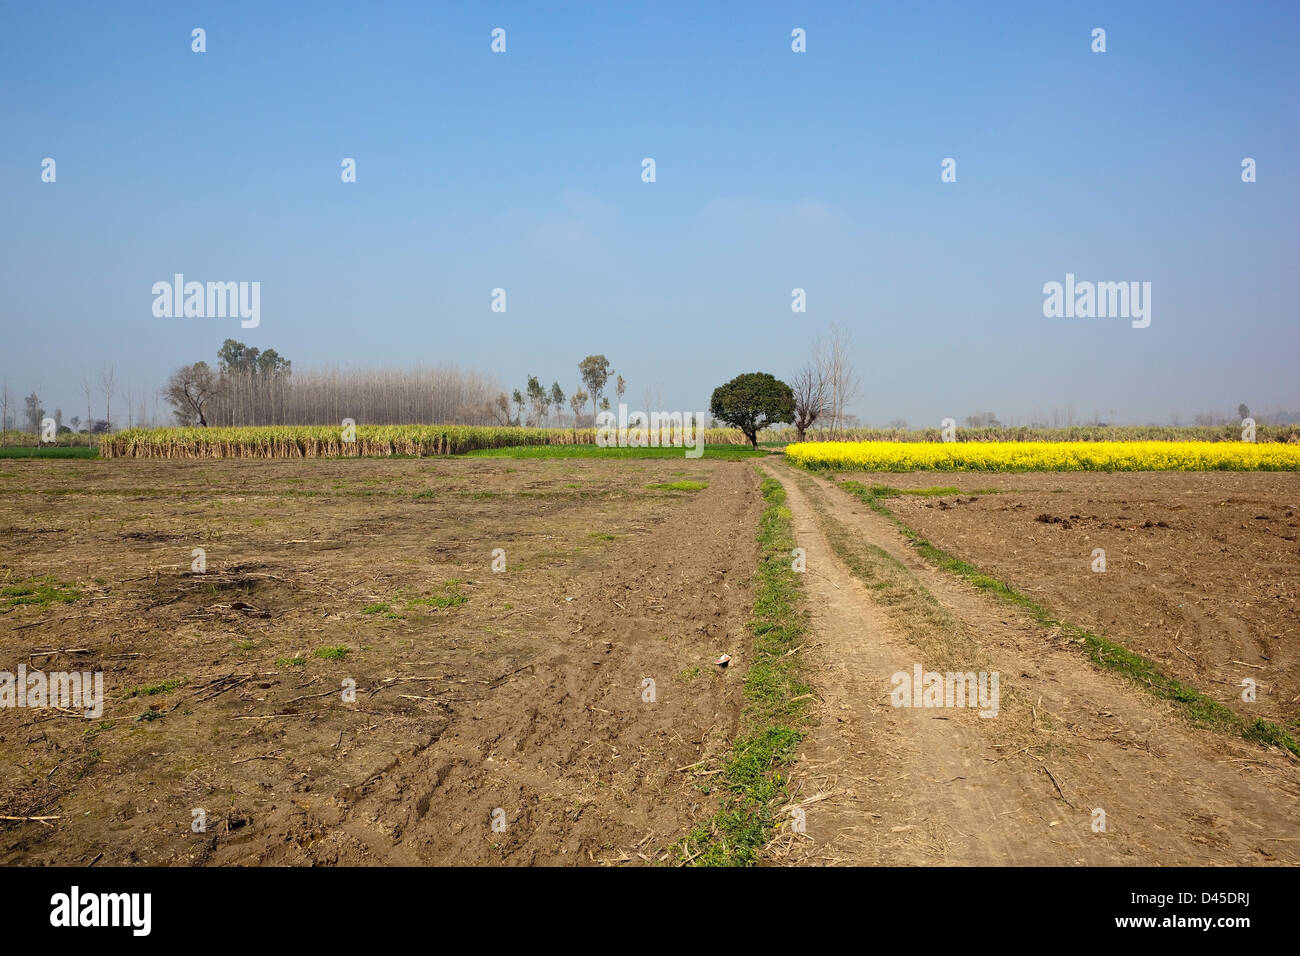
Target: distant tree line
(253, 387)
(248, 386)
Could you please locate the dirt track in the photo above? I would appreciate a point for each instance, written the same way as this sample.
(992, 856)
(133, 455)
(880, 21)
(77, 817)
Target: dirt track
(943, 786)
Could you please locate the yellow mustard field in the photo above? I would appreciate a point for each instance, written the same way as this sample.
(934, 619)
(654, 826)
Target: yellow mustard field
(1046, 456)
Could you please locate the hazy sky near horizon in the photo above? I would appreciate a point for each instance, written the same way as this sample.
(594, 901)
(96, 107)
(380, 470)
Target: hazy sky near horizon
(775, 170)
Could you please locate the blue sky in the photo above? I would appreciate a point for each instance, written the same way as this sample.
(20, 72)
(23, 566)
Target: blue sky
(775, 170)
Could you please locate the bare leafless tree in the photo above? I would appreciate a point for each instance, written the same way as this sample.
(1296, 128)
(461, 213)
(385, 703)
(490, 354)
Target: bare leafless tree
(652, 397)
(85, 390)
(107, 381)
(812, 395)
(840, 376)
(189, 390)
(499, 409)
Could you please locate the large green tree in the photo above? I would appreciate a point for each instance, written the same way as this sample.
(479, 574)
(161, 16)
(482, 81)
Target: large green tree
(753, 401)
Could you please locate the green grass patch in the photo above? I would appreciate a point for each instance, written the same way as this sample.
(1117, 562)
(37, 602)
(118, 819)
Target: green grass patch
(680, 486)
(753, 781)
(376, 608)
(1196, 706)
(453, 596)
(37, 592)
(888, 491)
(332, 653)
(48, 451)
(296, 661)
(153, 690)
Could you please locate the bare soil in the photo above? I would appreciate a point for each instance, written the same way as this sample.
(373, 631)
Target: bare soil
(1202, 569)
(522, 691)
